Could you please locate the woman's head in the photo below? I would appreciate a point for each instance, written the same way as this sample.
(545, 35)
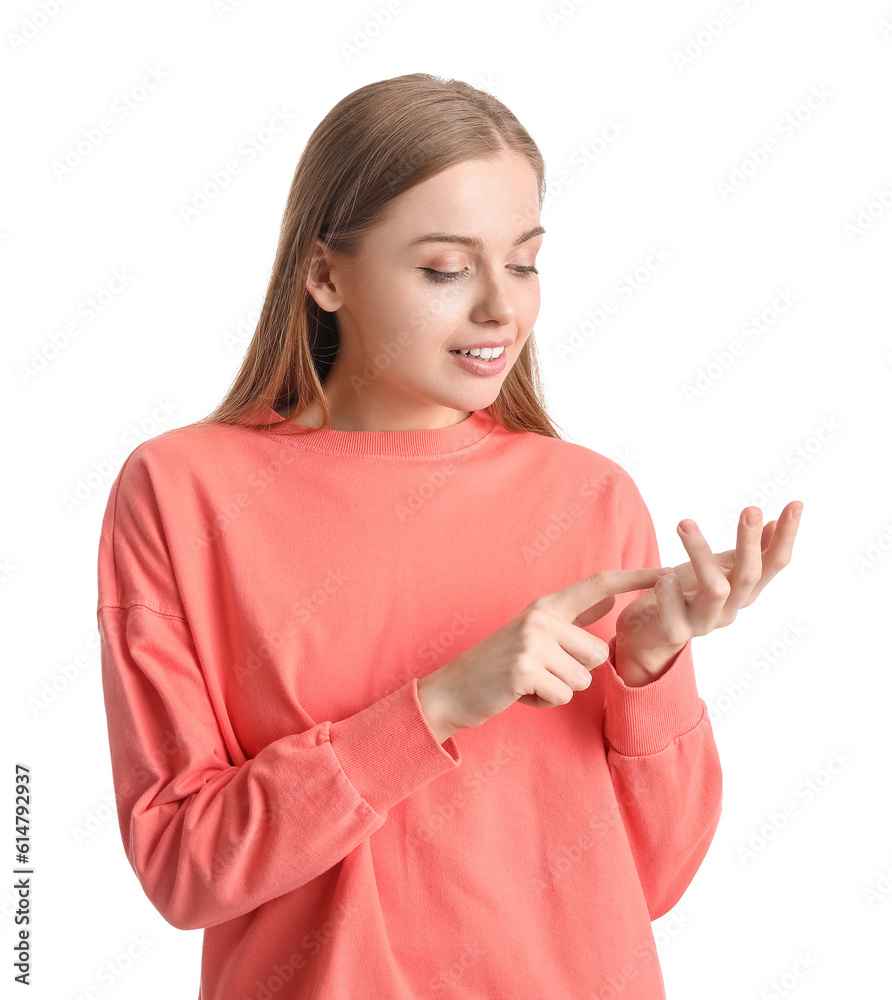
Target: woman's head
(354, 318)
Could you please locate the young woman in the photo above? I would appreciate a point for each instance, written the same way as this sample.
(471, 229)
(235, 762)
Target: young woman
(400, 703)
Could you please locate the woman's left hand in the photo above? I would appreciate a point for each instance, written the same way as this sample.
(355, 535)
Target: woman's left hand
(707, 592)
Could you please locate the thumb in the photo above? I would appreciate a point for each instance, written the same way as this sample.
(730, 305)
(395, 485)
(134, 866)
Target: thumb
(594, 613)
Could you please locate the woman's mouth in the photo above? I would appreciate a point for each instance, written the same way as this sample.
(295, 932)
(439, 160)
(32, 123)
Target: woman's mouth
(484, 353)
(482, 361)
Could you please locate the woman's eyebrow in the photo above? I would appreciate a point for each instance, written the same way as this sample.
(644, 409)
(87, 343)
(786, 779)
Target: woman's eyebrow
(472, 241)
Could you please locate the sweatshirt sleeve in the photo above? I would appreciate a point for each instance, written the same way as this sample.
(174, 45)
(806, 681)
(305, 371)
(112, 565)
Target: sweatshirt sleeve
(661, 752)
(210, 839)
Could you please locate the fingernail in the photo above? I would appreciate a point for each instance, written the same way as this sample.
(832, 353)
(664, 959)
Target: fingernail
(752, 519)
(688, 526)
(796, 511)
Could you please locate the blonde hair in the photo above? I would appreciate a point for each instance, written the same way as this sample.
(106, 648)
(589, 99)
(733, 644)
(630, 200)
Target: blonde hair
(375, 143)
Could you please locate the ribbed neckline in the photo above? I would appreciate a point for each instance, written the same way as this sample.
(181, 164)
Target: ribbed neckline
(393, 444)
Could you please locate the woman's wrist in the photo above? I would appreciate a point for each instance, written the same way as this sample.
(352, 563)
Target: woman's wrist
(433, 708)
(637, 667)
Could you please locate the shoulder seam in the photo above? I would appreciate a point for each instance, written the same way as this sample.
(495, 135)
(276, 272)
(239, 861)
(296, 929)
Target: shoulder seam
(138, 604)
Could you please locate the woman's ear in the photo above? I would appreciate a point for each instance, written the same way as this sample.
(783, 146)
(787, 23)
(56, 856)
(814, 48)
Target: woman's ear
(319, 279)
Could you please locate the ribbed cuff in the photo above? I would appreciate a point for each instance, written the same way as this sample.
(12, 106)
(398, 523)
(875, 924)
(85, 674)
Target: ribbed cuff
(389, 750)
(644, 720)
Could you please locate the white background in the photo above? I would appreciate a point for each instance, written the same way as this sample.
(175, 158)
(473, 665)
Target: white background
(801, 414)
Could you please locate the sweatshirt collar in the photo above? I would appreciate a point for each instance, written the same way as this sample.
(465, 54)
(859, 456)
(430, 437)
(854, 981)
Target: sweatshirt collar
(393, 444)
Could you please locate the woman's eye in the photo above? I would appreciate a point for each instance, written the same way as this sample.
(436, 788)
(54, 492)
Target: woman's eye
(435, 275)
(442, 276)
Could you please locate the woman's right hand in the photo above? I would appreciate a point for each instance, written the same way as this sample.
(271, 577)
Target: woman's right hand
(539, 658)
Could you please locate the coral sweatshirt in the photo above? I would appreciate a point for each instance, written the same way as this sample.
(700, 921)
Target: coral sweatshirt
(269, 599)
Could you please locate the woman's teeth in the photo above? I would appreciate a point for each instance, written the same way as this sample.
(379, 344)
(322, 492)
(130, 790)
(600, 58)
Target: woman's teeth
(484, 353)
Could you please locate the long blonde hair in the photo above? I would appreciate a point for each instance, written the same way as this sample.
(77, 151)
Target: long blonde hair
(375, 143)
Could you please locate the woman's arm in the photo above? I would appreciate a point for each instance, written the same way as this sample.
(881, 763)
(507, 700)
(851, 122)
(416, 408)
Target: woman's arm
(661, 752)
(210, 839)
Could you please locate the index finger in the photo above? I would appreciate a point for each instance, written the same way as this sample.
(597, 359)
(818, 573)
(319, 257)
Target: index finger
(572, 600)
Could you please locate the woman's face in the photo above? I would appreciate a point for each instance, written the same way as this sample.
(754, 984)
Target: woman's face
(400, 320)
